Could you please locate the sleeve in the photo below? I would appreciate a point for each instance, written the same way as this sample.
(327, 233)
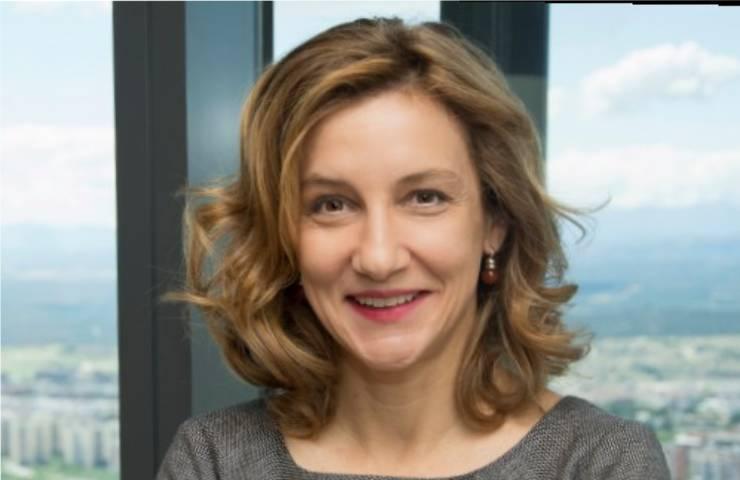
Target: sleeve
(191, 455)
(631, 452)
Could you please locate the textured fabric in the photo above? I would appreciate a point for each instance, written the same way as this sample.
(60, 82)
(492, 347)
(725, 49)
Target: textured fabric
(574, 440)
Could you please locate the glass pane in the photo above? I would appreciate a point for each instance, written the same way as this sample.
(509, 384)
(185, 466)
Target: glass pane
(59, 307)
(296, 22)
(643, 110)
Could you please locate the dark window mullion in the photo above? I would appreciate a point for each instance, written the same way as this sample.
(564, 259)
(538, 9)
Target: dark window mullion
(151, 165)
(515, 35)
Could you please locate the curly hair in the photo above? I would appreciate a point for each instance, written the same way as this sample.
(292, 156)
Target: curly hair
(241, 234)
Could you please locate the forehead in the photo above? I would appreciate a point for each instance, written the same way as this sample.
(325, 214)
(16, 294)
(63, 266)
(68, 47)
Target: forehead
(390, 134)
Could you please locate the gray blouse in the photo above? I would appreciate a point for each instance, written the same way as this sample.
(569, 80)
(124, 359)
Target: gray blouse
(574, 440)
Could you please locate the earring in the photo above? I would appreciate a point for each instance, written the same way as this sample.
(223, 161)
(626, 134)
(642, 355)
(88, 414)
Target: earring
(489, 274)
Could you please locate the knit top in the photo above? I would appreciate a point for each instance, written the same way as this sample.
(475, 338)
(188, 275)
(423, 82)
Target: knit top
(573, 440)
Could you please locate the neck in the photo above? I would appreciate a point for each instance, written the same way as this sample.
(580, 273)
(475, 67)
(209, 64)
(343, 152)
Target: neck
(402, 414)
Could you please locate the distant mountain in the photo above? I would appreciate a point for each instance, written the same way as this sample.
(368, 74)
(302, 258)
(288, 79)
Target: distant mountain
(58, 285)
(612, 230)
(659, 271)
(646, 272)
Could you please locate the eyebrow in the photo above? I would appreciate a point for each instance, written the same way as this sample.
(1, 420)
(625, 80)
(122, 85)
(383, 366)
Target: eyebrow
(415, 178)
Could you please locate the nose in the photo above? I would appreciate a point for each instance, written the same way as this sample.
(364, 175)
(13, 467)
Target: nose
(380, 253)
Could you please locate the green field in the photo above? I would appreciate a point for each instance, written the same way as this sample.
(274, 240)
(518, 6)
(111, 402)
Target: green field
(55, 470)
(22, 363)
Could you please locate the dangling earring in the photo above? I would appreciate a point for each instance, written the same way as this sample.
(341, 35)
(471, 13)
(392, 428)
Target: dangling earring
(489, 274)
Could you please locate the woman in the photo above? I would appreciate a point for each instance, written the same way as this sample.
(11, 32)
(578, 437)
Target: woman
(388, 265)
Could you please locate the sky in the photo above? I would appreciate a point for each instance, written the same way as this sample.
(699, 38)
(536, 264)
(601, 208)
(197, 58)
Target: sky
(56, 114)
(642, 104)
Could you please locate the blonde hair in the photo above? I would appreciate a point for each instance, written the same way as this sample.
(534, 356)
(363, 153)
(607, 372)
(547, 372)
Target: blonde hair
(241, 236)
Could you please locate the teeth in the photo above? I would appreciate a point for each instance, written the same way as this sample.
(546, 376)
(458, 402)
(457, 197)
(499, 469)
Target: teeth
(386, 302)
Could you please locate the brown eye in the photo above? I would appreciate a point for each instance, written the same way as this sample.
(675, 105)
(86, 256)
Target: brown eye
(429, 197)
(328, 205)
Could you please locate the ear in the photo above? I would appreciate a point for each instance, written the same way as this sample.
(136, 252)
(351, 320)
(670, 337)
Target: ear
(496, 231)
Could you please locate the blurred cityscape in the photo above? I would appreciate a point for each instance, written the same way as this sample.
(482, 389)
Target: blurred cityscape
(60, 404)
(687, 389)
(60, 413)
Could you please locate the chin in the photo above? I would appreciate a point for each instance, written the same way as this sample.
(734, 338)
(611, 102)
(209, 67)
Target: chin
(388, 358)
(390, 365)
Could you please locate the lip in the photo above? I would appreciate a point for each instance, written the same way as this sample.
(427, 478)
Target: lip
(384, 293)
(390, 314)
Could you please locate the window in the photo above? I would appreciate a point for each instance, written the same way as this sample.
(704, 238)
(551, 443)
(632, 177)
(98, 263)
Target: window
(59, 354)
(643, 112)
(296, 22)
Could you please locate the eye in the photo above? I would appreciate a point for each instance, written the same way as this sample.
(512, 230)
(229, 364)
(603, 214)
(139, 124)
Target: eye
(429, 197)
(328, 205)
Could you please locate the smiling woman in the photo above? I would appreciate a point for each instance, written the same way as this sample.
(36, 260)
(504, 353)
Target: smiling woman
(399, 244)
(388, 265)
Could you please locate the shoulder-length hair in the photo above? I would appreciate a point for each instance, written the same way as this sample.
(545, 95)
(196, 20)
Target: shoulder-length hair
(241, 236)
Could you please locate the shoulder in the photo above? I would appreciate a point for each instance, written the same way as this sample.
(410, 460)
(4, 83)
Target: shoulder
(605, 446)
(215, 444)
(230, 425)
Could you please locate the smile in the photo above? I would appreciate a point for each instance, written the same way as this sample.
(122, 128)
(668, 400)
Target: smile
(386, 302)
(387, 309)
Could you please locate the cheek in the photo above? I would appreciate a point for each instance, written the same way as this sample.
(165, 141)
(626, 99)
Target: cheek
(322, 256)
(451, 247)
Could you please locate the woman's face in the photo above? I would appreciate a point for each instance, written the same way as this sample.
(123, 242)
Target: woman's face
(392, 231)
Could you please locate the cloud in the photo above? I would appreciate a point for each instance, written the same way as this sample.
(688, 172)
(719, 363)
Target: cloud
(54, 175)
(665, 71)
(61, 276)
(646, 176)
